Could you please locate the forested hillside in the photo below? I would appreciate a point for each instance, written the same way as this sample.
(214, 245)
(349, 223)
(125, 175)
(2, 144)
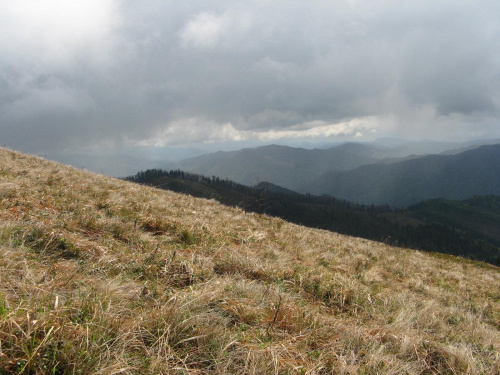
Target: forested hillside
(459, 176)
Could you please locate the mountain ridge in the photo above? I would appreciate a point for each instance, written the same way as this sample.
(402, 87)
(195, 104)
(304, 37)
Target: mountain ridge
(282, 165)
(341, 171)
(458, 176)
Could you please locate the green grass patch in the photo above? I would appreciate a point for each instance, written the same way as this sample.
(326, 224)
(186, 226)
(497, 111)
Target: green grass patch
(50, 244)
(3, 306)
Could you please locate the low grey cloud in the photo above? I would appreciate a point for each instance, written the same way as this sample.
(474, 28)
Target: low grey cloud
(110, 73)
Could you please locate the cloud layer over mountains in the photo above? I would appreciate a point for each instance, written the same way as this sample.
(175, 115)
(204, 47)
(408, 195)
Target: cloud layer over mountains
(107, 73)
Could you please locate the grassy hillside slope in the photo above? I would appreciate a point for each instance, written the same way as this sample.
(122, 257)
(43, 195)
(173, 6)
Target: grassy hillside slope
(101, 276)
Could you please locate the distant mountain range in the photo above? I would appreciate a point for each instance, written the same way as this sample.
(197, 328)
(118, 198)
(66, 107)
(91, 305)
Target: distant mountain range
(399, 184)
(292, 167)
(282, 165)
(363, 173)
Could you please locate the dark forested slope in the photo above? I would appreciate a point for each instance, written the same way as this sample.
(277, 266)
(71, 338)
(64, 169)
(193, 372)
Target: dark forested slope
(460, 176)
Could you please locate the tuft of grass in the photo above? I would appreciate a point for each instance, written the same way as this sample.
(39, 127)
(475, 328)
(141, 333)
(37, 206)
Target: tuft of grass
(187, 238)
(157, 226)
(50, 244)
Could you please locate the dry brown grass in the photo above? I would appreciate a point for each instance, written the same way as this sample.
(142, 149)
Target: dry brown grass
(101, 276)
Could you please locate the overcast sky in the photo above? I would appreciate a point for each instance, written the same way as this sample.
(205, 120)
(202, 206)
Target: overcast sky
(103, 73)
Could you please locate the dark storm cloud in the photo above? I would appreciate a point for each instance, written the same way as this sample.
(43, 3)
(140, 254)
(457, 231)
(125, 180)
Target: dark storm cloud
(189, 71)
